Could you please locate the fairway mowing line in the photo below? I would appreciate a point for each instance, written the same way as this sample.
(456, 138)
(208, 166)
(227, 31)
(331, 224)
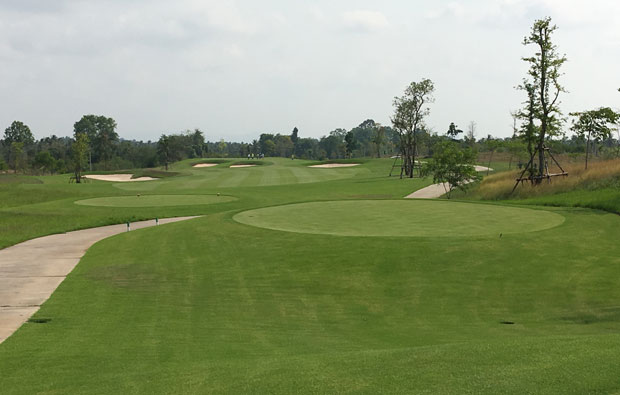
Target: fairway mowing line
(31, 271)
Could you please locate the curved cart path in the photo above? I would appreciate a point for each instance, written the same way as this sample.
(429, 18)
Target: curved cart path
(429, 192)
(436, 190)
(32, 270)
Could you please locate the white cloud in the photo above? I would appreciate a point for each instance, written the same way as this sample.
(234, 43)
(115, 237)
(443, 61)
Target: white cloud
(365, 21)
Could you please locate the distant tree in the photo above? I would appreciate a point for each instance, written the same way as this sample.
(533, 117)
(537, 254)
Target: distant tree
(164, 150)
(102, 136)
(222, 148)
(198, 143)
(284, 146)
(45, 162)
(333, 144)
(295, 135)
(470, 136)
(269, 148)
(516, 148)
(350, 143)
(453, 132)
(17, 132)
(545, 74)
(409, 112)
(378, 138)
(17, 152)
(79, 151)
(452, 166)
(594, 124)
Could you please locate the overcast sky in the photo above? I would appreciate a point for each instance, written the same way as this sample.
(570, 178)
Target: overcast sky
(236, 69)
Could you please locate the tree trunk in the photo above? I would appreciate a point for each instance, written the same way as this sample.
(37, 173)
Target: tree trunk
(587, 150)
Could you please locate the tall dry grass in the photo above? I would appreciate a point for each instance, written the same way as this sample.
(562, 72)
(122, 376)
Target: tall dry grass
(602, 173)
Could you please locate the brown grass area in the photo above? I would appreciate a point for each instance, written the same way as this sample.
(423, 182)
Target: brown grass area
(499, 186)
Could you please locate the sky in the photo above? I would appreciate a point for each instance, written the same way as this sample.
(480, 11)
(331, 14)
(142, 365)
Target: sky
(235, 69)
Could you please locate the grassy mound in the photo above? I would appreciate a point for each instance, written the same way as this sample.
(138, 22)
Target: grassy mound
(400, 218)
(155, 200)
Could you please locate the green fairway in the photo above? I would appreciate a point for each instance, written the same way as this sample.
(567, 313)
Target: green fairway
(400, 218)
(321, 294)
(155, 200)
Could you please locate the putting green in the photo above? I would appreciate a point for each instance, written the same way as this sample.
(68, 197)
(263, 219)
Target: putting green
(155, 200)
(400, 218)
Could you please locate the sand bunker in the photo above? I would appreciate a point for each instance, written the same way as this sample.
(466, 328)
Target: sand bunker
(118, 177)
(332, 165)
(236, 166)
(482, 168)
(205, 165)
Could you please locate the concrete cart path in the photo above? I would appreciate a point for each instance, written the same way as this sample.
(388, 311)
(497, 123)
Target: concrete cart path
(32, 270)
(436, 190)
(429, 192)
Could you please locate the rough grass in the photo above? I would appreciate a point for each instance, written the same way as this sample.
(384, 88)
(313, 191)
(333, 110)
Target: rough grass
(598, 175)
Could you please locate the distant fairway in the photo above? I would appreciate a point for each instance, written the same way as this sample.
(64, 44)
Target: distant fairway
(155, 200)
(275, 171)
(400, 218)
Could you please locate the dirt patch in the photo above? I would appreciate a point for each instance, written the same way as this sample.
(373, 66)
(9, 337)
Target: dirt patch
(332, 165)
(117, 177)
(205, 165)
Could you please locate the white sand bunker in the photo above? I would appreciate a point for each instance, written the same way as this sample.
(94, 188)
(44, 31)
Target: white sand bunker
(332, 165)
(236, 166)
(482, 168)
(205, 165)
(118, 177)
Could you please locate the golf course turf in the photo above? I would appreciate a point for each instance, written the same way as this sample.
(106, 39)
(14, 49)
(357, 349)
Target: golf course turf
(400, 218)
(155, 200)
(212, 305)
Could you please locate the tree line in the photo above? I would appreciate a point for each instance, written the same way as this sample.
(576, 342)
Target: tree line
(95, 144)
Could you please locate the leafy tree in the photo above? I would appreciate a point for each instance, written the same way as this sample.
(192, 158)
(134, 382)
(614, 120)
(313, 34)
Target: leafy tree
(452, 166)
(378, 138)
(284, 146)
(164, 150)
(350, 143)
(409, 112)
(295, 135)
(101, 133)
(333, 144)
(198, 143)
(453, 132)
(20, 133)
(44, 161)
(79, 151)
(594, 124)
(17, 151)
(545, 73)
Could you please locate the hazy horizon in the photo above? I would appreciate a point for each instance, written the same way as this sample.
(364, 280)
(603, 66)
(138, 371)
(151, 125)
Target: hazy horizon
(239, 69)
